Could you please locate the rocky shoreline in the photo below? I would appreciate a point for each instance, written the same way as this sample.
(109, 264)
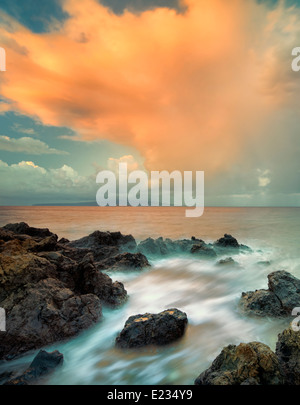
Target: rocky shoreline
(52, 289)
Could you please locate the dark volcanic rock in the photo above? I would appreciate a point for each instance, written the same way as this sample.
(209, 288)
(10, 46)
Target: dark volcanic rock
(53, 290)
(90, 280)
(227, 240)
(288, 353)
(105, 244)
(246, 364)
(43, 364)
(261, 303)
(24, 229)
(152, 329)
(163, 247)
(203, 249)
(125, 261)
(44, 312)
(282, 296)
(228, 261)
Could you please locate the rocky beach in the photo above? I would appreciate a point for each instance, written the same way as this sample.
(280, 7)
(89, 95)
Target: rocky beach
(53, 289)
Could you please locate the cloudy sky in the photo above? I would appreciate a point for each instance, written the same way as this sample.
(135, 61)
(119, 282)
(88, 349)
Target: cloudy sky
(162, 84)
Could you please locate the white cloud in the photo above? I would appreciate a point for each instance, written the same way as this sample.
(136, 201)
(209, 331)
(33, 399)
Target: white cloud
(34, 184)
(132, 164)
(27, 145)
(263, 179)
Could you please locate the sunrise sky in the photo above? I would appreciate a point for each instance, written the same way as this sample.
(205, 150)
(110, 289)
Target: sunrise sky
(162, 85)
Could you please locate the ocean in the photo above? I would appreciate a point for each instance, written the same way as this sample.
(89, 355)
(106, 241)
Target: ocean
(206, 292)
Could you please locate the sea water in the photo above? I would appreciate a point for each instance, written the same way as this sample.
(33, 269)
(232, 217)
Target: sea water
(207, 292)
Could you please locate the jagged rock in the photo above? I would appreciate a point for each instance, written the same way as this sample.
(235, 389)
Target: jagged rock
(251, 363)
(43, 364)
(163, 247)
(288, 353)
(19, 267)
(22, 228)
(89, 279)
(152, 329)
(44, 312)
(105, 244)
(153, 247)
(279, 300)
(227, 240)
(45, 245)
(203, 249)
(228, 261)
(261, 303)
(62, 241)
(53, 290)
(124, 261)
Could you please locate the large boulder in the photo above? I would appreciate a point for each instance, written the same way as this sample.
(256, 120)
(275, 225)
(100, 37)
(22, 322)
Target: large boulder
(38, 314)
(279, 300)
(227, 241)
(89, 280)
(105, 244)
(152, 329)
(251, 363)
(43, 364)
(288, 353)
(124, 261)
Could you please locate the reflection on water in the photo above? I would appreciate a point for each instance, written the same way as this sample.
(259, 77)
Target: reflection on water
(206, 292)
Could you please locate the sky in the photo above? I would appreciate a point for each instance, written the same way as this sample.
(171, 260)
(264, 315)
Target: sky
(160, 84)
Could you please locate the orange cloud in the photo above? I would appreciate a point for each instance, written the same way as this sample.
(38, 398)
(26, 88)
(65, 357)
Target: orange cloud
(184, 89)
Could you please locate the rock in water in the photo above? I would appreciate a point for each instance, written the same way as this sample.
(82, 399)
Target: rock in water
(22, 228)
(43, 364)
(251, 363)
(203, 249)
(124, 261)
(152, 329)
(278, 301)
(52, 291)
(288, 353)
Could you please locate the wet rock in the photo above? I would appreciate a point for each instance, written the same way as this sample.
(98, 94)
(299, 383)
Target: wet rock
(163, 247)
(89, 280)
(288, 353)
(45, 245)
(203, 249)
(228, 261)
(152, 329)
(227, 241)
(44, 312)
(105, 244)
(261, 303)
(19, 267)
(22, 228)
(251, 363)
(43, 364)
(125, 261)
(281, 297)
(154, 247)
(52, 291)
